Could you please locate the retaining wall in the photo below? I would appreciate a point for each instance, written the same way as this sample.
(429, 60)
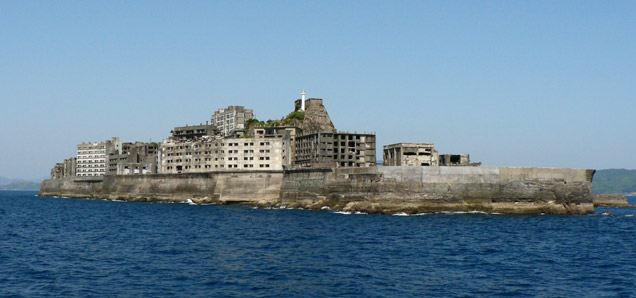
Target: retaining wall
(373, 190)
(434, 189)
(223, 187)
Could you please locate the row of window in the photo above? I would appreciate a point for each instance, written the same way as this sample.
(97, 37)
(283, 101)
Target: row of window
(90, 170)
(217, 152)
(219, 166)
(196, 146)
(91, 151)
(336, 144)
(215, 159)
(91, 161)
(91, 147)
(92, 166)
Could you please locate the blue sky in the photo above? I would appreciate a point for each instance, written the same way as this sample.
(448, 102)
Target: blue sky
(513, 83)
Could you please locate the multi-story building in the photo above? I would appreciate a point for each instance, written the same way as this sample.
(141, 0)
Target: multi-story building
(215, 154)
(288, 134)
(341, 149)
(64, 169)
(134, 158)
(231, 118)
(193, 132)
(411, 154)
(70, 167)
(92, 158)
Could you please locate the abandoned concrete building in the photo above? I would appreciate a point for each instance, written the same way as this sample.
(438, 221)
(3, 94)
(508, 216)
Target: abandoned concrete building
(64, 169)
(456, 160)
(287, 134)
(341, 149)
(231, 118)
(193, 132)
(134, 158)
(215, 154)
(410, 154)
(57, 172)
(92, 157)
(307, 139)
(422, 154)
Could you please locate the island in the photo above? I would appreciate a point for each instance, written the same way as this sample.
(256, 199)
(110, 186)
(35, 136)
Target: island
(302, 161)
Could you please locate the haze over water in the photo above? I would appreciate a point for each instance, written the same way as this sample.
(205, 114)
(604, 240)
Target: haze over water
(77, 247)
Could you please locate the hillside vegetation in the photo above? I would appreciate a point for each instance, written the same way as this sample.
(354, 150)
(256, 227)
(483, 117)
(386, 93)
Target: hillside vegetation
(616, 181)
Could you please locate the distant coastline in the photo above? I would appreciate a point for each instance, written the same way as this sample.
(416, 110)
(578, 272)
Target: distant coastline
(615, 181)
(21, 185)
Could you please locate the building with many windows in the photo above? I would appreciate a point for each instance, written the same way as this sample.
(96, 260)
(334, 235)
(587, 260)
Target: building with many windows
(340, 149)
(134, 158)
(209, 154)
(287, 134)
(194, 131)
(92, 158)
(231, 118)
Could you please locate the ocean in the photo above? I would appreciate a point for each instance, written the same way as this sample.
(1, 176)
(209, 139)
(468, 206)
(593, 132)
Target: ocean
(53, 247)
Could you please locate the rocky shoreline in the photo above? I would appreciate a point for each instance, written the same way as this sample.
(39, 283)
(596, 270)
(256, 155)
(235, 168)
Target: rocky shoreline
(364, 207)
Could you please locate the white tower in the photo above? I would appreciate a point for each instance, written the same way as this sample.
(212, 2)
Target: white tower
(302, 100)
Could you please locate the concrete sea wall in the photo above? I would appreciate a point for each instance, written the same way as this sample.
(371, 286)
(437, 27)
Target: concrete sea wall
(373, 190)
(434, 189)
(220, 187)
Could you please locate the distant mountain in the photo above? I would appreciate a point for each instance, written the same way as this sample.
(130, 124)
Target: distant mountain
(618, 181)
(21, 185)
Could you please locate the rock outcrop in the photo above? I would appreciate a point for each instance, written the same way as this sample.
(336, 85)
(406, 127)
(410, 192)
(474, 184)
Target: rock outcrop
(316, 117)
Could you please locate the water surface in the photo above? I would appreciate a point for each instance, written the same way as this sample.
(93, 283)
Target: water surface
(93, 248)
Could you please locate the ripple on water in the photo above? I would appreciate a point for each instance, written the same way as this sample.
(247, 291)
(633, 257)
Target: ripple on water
(75, 247)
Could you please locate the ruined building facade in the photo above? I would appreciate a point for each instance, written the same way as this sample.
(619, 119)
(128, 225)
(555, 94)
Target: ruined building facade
(410, 154)
(422, 154)
(64, 169)
(215, 154)
(340, 149)
(456, 160)
(287, 134)
(193, 132)
(134, 158)
(231, 118)
(57, 172)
